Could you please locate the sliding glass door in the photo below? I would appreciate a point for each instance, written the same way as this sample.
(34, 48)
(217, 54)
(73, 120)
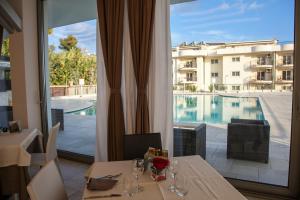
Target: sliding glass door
(70, 73)
(242, 55)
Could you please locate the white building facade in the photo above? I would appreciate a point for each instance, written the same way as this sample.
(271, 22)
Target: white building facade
(236, 66)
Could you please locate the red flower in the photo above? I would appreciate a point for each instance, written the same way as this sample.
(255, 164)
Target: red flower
(160, 163)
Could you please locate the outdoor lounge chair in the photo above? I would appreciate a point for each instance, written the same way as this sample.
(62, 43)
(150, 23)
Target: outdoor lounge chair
(190, 141)
(58, 117)
(248, 140)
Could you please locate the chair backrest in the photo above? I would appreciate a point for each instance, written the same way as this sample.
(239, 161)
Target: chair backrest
(136, 145)
(51, 152)
(47, 184)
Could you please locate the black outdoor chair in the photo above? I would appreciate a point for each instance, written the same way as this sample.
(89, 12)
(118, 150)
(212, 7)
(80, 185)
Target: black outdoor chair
(248, 140)
(58, 117)
(190, 141)
(136, 145)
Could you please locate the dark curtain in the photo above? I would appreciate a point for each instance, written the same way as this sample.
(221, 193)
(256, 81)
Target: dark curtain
(111, 17)
(141, 18)
(1, 38)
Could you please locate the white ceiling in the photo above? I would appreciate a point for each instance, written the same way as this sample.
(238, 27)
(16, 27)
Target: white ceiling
(64, 12)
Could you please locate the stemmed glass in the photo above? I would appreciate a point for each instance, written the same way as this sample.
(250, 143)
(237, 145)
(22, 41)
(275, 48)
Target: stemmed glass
(137, 171)
(173, 172)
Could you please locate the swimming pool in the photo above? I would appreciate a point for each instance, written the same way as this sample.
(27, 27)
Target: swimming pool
(214, 109)
(90, 111)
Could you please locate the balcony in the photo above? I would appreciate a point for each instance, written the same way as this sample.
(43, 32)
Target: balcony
(191, 79)
(187, 80)
(188, 67)
(261, 64)
(281, 79)
(284, 64)
(255, 80)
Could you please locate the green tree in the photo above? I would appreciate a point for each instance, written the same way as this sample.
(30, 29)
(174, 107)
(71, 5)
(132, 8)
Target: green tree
(72, 65)
(68, 43)
(50, 31)
(5, 47)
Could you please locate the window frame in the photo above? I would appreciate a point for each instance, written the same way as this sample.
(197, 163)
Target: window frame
(287, 59)
(235, 73)
(287, 75)
(215, 74)
(236, 59)
(247, 187)
(236, 87)
(214, 61)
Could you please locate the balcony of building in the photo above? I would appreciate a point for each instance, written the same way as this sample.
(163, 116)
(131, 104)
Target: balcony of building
(261, 63)
(187, 80)
(260, 80)
(284, 79)
(284, 64)
(188, 66)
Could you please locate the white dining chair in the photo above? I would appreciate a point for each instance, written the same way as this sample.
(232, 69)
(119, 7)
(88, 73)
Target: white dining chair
(42, 159)
(47, 184)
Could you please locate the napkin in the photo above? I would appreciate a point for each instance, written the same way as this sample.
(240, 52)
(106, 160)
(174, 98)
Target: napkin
(101, 184)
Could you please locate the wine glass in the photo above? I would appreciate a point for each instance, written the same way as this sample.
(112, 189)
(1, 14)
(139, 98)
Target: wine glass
(137, 171)
(128, 186)
(173, 172)
(183, 184)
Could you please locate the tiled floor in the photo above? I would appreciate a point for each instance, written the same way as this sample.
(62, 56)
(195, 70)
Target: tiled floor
(79, 136)
(73, 175)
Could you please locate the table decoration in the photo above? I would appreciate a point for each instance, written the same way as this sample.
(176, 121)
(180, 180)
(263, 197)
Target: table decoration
(156, 161)
(159, 168)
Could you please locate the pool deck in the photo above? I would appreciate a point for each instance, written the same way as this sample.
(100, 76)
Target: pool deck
(79, 137)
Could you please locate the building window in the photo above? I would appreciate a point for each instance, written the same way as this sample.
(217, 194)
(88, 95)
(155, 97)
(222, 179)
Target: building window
(189, 64)
(287, 75)
(287, 59)
(191, 76)
(261, 76)
(265, 60)
(214, 61)
(214, 74)
(235, 59)
(235, 104)
(236, 73)
(236, 87)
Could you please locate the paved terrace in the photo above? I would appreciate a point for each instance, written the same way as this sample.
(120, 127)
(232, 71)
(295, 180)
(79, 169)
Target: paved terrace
(79, 135)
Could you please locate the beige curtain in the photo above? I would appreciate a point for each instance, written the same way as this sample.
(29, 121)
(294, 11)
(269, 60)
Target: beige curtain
(160, 77)
(129, 90)
(111, 20)
(141, 19)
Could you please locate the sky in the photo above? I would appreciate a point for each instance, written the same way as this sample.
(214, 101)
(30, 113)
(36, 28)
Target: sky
(209, 21)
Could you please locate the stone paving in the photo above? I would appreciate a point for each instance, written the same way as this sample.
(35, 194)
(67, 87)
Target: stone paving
(79, 131)
(277, 109)
(79, 137)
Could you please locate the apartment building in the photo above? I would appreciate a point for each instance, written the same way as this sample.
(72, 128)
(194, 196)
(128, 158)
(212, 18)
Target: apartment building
(253, 65)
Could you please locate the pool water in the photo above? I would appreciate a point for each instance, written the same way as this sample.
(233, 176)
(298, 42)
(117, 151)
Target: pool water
(214, 109)
(90, 111)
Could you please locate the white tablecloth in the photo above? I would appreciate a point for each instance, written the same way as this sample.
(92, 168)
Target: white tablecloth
(206, 182)
(13, 147)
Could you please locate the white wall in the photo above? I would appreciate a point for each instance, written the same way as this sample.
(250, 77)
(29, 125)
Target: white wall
(24, 66)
